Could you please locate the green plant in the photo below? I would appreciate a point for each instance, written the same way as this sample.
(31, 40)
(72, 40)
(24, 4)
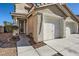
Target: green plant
(8, 26)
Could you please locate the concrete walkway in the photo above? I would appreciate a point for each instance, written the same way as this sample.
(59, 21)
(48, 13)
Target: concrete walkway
(24, 48)
(24, 41)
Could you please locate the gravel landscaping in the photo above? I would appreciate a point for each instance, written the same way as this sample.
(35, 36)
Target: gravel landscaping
(7, 45)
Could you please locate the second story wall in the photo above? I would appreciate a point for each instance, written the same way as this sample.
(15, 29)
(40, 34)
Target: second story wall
(20, 8)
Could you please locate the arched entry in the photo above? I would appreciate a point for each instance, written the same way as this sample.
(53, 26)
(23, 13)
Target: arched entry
(22, 25)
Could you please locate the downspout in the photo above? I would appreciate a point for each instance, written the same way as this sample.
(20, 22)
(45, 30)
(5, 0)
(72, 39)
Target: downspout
(41, 24)
(78, 28)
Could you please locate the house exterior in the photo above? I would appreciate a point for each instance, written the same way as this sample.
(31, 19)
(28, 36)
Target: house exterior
(45, 21)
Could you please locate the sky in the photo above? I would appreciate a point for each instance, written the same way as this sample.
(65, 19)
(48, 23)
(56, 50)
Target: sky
(74, 7)
(7, 8)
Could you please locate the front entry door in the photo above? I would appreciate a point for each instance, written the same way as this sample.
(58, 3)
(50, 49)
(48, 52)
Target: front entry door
(21, 26)
(48, 31)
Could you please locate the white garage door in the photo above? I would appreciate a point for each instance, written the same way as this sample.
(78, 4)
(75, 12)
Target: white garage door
(48, 31)
(68, 32)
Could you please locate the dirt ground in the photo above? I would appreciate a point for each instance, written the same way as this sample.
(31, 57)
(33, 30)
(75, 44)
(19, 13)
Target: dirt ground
(7, 45)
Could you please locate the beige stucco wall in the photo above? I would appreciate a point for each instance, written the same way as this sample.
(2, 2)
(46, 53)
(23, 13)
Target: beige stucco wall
(39, 30)
(20, 8)
(26, 25)
(32, 26)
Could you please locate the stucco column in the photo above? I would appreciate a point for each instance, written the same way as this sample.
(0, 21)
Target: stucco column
(78, 28)
(24, 26)
(16, 21)
(27, 27)
(61, 28)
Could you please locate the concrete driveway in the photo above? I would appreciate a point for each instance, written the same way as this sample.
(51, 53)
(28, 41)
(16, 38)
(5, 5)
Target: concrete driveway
(57, 47)
(66, 46)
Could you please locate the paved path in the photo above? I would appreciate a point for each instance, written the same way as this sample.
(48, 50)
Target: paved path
(24, 41)
(24, 48)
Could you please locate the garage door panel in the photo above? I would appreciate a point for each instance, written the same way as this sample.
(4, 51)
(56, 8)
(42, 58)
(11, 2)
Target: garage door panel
(48, 31)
